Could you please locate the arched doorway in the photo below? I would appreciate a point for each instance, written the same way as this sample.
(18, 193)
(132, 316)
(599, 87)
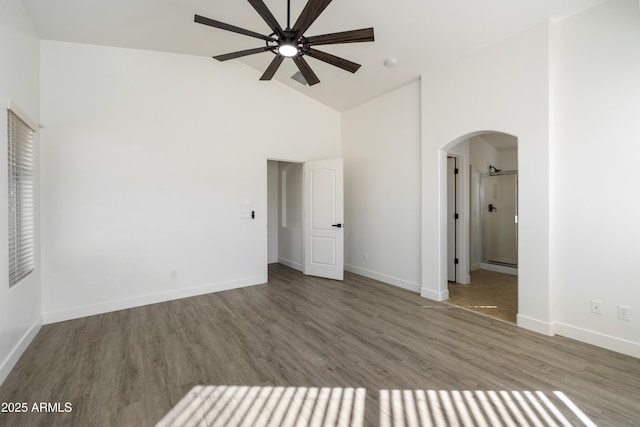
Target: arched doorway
(482, 245)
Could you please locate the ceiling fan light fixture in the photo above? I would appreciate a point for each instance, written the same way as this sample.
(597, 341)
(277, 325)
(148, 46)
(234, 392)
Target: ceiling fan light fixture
(288, 49)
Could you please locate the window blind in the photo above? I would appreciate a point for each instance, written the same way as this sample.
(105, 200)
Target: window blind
(21, 202)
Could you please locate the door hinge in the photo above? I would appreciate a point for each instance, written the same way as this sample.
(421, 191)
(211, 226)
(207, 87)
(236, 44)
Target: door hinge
(456, 171)
(455, 261)
(456, 216)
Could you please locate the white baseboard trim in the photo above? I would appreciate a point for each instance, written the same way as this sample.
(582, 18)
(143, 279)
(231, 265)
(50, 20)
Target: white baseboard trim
(391, 280)
(14, 355)
(272, 260)
(434, 295)
(619, 345)
(291, 264)
(499, 268)
(123, 304)
(535, 325)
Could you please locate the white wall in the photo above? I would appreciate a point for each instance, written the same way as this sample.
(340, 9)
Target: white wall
(290, 237)
(508, 159)
(482, 155)
(20, 306)
(148, 161)
(503, 88)
(596, 144)
(381, 151)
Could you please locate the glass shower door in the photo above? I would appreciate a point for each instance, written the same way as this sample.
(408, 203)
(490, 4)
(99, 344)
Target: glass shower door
(500, 218)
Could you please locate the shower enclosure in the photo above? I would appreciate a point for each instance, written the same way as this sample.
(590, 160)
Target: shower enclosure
(499, 202)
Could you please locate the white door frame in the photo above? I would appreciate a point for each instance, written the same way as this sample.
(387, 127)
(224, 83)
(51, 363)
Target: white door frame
(462, 239)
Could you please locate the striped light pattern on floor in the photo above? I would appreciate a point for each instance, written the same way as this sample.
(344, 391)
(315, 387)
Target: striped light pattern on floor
(443, 408)
(235, 406)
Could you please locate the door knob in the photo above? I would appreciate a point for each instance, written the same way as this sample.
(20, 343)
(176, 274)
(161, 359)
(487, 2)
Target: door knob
(337, 225)
(492, 208)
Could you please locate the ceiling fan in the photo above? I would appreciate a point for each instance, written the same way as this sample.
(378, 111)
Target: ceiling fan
(291, 41)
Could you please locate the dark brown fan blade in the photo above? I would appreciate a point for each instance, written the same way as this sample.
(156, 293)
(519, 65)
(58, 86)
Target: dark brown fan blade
(272, 68)
(345, 64)
(306, 71)
(217, 24)
(268, 17)
(309, 14)
(241, 53)
(353, 36)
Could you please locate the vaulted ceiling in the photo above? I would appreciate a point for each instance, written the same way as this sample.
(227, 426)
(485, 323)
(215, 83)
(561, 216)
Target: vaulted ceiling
(419, 33)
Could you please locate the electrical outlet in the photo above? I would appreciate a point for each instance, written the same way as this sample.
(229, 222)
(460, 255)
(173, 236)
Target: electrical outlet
(596, 307)
(624, 312)
(173, 274)
(366, 257)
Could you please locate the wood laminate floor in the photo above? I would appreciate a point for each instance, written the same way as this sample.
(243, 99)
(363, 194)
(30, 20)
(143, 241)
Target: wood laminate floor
(399, 352)
(491, 293)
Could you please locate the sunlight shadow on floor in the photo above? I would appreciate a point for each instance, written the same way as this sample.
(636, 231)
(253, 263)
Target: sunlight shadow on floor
(235, 406)
(420, 408)
(268, 406)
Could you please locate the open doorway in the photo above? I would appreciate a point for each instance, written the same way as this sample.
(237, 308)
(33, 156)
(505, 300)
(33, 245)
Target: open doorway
(284, 214)
(490, 285)
(305, 216)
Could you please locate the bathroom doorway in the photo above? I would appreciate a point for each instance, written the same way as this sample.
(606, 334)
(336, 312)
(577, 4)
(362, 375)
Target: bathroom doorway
(490, 286)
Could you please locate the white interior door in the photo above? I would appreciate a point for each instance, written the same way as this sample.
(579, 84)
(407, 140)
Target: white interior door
(324, 219)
